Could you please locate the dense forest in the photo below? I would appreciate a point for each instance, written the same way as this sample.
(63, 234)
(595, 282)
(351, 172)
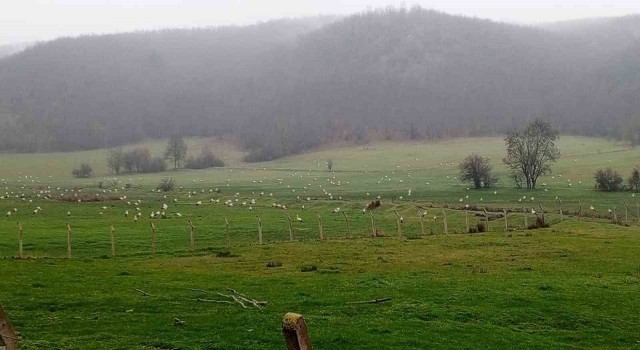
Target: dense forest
(285, 86)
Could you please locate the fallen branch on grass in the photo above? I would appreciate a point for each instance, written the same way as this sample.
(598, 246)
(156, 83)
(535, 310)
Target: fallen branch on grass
(238, 298)
(374, 301)
(143, 293)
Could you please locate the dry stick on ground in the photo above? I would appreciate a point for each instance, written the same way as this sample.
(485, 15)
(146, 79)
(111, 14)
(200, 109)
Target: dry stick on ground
(113, 240)
(346, 219)
(68, 241)
(398, 223)
(153, 238)
(446, 227)
(290, 228)
(374, 301)
(192, 241)
(143, 292)
(226, 230)
(259, 230)
(212, 301)
(421, 215)
(373, 225)
(20, 237)
(320, 227)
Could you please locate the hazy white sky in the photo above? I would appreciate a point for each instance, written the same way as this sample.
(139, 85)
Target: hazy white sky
(33, 20)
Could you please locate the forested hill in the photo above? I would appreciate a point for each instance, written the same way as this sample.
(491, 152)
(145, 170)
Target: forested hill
(284, 86)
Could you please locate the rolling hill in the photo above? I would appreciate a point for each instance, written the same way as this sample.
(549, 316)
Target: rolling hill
(285, 86)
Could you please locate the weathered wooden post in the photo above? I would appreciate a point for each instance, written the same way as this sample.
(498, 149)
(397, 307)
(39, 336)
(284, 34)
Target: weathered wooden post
(446, 227)
(561, 214)
(8, 337)
(192, 242)
(259, 230)
(398, 223)
(486, 218)
(542, 213)
(346, 219)
(579, 209)
(373, 225)
(226, 231)
(506, 220)
(68, 241)
(296, 334)
(290, 228)
(466, 220)
(113, 240)
(321, 230)
(526, 224)
(153, 238)
(20, 238)
(421, 215)
(626, 212)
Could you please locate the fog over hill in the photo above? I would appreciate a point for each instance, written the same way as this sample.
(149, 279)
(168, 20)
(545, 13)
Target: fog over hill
(285, 86)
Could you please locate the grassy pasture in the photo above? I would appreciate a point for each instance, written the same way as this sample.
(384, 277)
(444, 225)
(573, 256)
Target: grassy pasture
(573, 285)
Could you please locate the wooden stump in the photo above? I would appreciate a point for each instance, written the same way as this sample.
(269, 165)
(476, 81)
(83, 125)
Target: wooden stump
(296, 334)
(8, 337)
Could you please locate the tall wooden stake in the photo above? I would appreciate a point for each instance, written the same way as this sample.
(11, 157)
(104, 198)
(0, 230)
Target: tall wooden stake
(20, 238)
(421, 216)
(561, 214)
(259, 230)
(153, 238)
(542, 213)
(466, 220)
(486, 218)
(626, 212)
(68, 241)
(226, 231)
(373, 225)
(526, 224)
(192, 242)
(399, 224)
(446, 227)
(579, 210)
(506, 220)
(8, 337)
(290, 228)
(346, 219)
(320, 227)
(113, 240)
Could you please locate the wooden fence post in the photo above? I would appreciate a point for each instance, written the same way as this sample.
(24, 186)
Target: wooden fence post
(20, 238)
(506, 220)
(346, 219)
(374, 232)
(446, 226)
(626, 212)
(561, 214)
(8, 337)
(226, 231)
(113, 240)
(192, 242)
(296, 334)
(466, 220)
(153, 238)
(542, 213)
(290, 228)
(259, 230)
(486, 218)
(398, 223)
(421, 215)
(68, 241)
(320, 227)
(579, 209)
(526, 224)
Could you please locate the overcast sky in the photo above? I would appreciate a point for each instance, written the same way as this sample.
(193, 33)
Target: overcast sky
(35, 20)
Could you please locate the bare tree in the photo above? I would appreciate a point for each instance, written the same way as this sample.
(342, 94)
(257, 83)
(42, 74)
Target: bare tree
(176, 150)
(115, 160)
(476, 169)
(530, 152)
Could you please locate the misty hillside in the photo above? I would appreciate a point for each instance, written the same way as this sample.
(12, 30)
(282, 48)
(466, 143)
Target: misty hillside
(286, 86)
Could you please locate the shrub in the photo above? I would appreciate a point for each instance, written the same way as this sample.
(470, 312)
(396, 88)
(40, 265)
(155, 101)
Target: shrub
(476, 169)
(608, 180)
(84, 171)
(153, 165)
(205, 160)
(634, 180)
(166, 185)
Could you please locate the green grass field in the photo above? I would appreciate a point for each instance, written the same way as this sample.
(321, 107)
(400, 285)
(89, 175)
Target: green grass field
(573, 285)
